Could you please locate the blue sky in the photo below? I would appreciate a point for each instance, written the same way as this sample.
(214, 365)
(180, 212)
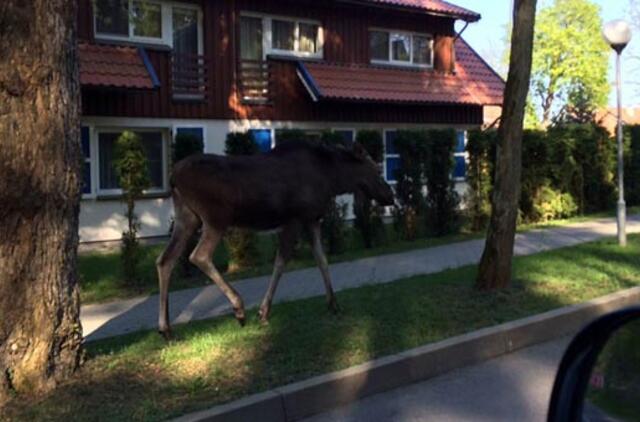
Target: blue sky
(487, 37)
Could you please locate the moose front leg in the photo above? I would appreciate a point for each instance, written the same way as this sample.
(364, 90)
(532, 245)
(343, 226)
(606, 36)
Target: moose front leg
(321, 260)
(287, 239)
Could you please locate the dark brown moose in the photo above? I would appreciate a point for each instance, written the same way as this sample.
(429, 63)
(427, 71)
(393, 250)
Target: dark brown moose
(291, 185)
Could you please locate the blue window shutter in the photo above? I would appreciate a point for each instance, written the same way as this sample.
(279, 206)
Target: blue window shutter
(390, 142)
(84, 136)
(195, 131)
(85, 139)
(262, 137)
(460, 169)
(460, 141)
(393, 164)
(347, 135)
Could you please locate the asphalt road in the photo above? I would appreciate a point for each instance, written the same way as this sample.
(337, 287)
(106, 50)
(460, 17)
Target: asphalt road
(515, 387)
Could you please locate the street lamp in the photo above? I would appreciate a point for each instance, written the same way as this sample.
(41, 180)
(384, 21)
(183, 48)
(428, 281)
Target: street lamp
(618, 34)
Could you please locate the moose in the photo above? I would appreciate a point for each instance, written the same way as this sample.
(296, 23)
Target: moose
(290, 186)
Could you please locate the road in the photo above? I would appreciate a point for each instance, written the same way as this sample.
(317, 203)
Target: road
(515, 387)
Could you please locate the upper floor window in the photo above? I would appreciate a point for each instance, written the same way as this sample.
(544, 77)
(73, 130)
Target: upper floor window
(176, 25)
(263, 35)
(401, 48)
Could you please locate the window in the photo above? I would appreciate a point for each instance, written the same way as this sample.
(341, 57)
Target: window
(379, 44)
(251, 38)
(391, 156)
(185, 31)
(288, 36)
(401, 48)
(197, 132)
(263, 138)
(348, 135)
(460, 156)
(85, 137)
(284, 35)
(150, 21)
(154, 146)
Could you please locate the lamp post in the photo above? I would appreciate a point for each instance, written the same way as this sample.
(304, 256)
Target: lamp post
(617, 33)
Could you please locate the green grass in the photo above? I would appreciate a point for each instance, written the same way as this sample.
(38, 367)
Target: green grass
(100, 272)
(140, 377)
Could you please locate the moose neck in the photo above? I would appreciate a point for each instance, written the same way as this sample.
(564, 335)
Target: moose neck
(346, 176)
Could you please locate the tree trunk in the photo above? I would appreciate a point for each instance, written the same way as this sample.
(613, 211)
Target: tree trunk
(495, 266)
(40, 332)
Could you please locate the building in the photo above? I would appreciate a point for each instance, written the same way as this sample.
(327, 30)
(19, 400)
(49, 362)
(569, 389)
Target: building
(209, 67)
(608, 118)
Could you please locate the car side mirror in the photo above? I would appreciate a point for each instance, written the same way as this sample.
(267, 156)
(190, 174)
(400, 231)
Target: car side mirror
(599, 375)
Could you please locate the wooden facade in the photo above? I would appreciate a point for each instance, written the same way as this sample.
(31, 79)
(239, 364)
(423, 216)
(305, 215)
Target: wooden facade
(346, 29)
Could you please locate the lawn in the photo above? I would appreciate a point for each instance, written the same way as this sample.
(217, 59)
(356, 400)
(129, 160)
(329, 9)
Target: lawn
(140, 377)
(100, 273)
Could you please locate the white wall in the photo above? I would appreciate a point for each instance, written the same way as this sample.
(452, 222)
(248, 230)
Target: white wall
(103, 220)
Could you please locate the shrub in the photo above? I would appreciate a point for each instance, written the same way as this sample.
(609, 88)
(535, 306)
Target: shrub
(535, 170)
(632, 165)
(410, 145)
(184, 145)
(441, 212)
(481, 148)
(333, 222)
(241, 243)
(368, 217)
(285, 135)
(550, 204)
(133, 176)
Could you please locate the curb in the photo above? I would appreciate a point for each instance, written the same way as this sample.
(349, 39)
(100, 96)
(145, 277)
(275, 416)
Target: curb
(319, 394)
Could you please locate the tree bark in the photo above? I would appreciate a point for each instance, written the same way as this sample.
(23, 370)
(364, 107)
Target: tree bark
(495, 266)
(40, 156)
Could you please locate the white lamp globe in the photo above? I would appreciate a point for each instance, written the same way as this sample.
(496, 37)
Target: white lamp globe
(617, 33)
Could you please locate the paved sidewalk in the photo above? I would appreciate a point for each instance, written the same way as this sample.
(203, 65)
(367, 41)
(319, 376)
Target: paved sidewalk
(116, 318)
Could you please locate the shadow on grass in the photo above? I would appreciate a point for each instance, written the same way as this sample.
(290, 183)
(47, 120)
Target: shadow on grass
(140, 377)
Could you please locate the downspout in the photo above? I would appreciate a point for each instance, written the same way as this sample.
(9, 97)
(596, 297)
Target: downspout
(453, 47)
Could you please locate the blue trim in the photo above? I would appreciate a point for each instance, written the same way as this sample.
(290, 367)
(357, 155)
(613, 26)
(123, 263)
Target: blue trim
(309, 80)
(149, 66)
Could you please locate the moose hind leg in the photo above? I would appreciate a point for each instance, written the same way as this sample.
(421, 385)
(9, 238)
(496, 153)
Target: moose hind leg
(185, 225)
(202, 258)
(321, 260)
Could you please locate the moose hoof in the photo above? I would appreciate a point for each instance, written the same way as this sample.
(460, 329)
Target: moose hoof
(240, 316)
(166, 334)
(334, 308)
(264, 316)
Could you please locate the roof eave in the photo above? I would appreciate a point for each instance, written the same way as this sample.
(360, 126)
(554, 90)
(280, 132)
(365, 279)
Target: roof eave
(471, 18)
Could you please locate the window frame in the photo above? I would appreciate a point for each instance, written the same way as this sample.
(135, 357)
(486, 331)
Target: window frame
(98, 192)
(92, 163)
(267, 35)
(166, 13)
(400, 63)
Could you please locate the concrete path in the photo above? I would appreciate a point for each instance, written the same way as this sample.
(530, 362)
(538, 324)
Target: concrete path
(116, 318)
(514, 387)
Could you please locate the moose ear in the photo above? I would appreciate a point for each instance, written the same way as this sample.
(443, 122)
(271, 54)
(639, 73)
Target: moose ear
(359, 151)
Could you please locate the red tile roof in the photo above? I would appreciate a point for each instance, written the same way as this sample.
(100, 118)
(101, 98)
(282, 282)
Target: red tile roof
(474, 83)
(432, 6)
(114, 67)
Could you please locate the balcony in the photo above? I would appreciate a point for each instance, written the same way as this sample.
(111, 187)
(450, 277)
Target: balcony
(189, 77)
(254, 82)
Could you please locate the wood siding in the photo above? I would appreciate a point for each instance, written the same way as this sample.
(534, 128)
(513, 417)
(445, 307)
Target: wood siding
(346, 41)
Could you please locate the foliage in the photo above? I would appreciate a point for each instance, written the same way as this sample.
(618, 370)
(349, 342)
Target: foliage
(550, 204)
(410, 145)
(241, 243)
(133, 176)
(632, 165)
(570, 60)
(240, 143)
(184, 145)
(441, 213)
(285, 135)
(481, 148)
(368, 217)
(535, 171)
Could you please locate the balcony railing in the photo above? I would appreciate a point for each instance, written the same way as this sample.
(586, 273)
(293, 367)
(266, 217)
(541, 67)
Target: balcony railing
(189, 76)
(254, 80)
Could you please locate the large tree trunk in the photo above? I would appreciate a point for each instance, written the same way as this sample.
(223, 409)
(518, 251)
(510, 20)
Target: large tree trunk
(40, 332)
(495, 266)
